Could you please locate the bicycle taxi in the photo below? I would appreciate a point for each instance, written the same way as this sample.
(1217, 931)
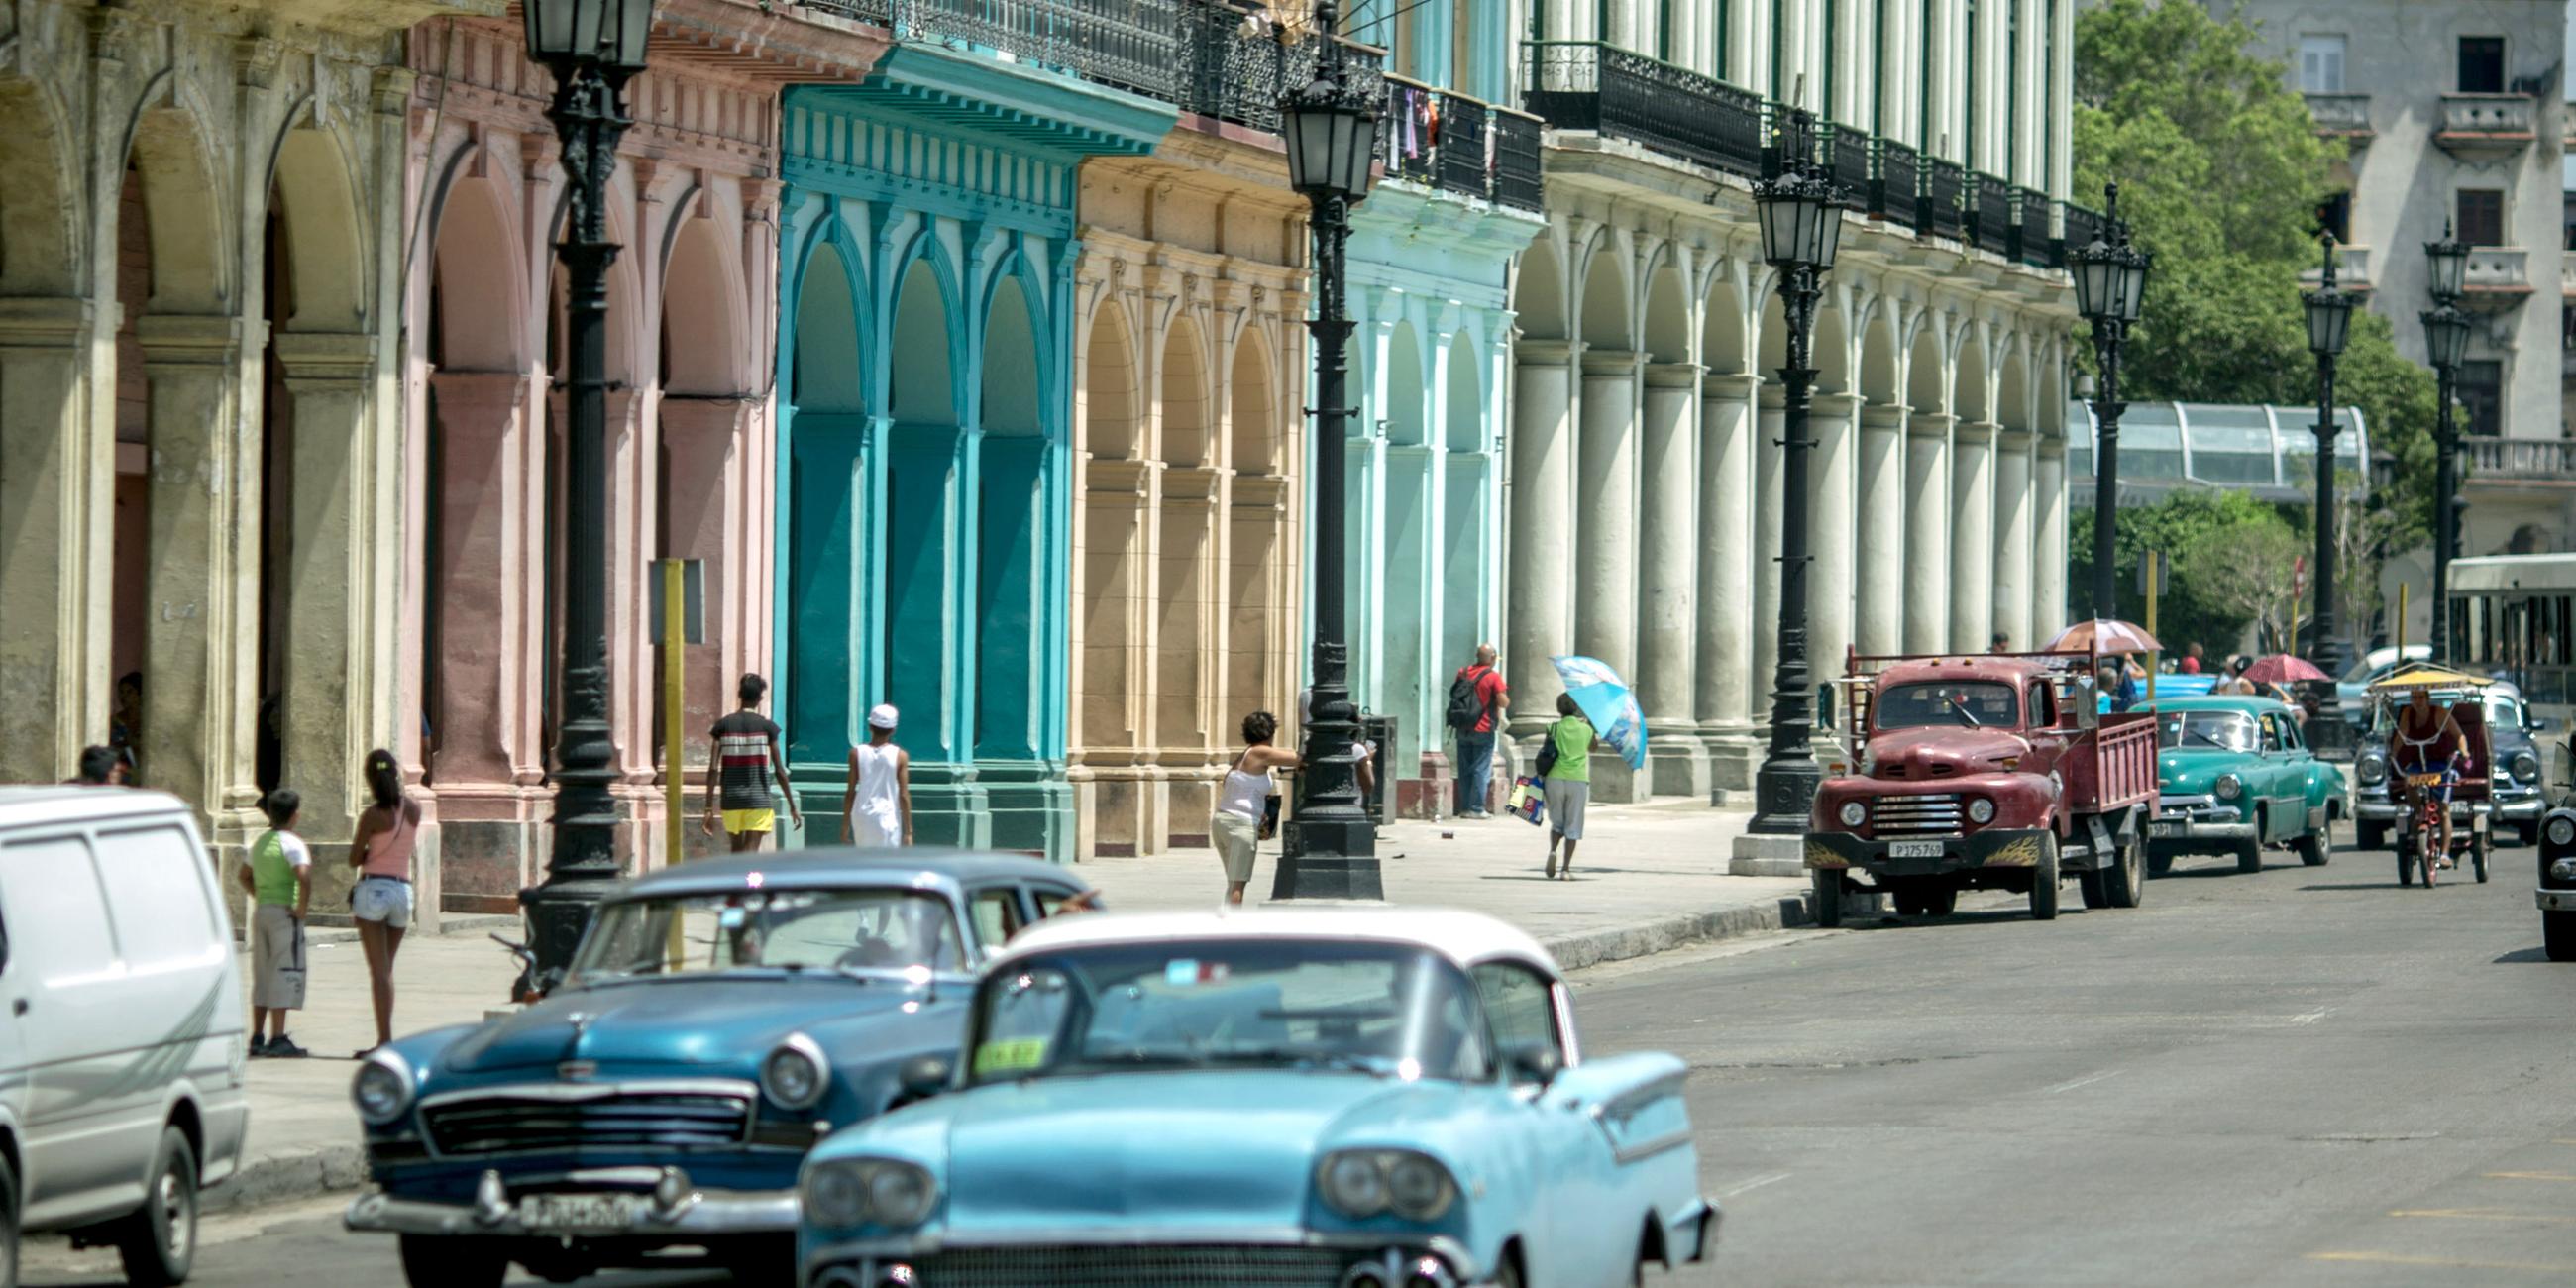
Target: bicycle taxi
(2442, 760)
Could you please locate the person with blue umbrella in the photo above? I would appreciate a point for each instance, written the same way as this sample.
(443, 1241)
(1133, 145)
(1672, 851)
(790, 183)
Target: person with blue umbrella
(1565, 765)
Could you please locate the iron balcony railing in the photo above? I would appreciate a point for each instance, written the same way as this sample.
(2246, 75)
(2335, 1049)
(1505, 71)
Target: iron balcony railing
(1788, 132)
(879, 12)
(1846, 158)
(1589, 85)
(1990, 206)
(2033, 234)
(1125, 44)
(1937, 203)
(1517, 169)
(2078, 226)
(1235, 72)
(1895, 176)
(1444, 140)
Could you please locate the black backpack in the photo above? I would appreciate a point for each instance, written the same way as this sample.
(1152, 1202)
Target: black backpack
(1465, 707)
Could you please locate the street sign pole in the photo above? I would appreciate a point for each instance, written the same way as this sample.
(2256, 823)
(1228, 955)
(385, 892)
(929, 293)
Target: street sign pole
(2151, 583)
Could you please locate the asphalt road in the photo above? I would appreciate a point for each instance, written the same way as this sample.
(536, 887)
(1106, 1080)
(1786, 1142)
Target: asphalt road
(2304, 1077)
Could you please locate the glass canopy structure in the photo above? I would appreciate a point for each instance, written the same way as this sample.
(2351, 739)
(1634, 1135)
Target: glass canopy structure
(2166, 446)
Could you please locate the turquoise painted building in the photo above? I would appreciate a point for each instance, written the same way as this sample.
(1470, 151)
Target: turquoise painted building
(925, 399)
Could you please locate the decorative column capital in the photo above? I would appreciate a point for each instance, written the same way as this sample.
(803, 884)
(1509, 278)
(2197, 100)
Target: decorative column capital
(312, 358)
(1546, 353)
(186, 340)
(1980, 432)
(2015, 439)
(1672, 375)
(1612, 362)
(1729, 384)
(1929, 424)
(1887, 416)
(44, 322)
(2052, 447)
(1837, 404)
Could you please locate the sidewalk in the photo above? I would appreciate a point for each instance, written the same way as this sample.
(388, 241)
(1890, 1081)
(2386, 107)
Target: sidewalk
(1652, 878)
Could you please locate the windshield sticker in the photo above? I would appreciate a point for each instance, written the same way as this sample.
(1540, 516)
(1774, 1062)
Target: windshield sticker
(1186, 972)
(1012, 1056)
(731, 918)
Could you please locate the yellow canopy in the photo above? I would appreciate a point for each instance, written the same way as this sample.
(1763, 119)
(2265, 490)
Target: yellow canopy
(2427, 677)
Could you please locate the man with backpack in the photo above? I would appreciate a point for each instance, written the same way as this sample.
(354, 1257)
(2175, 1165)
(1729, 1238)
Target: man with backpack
(1476, 698)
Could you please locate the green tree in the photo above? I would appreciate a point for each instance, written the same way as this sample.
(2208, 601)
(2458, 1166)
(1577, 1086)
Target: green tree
(2229, 558)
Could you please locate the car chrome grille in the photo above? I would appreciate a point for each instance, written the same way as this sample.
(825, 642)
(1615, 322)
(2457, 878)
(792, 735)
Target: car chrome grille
(1915, 815)
(1119, 1267)
(560, 1119)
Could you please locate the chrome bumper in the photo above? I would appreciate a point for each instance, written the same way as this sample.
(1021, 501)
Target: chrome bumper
(875, 1263)
(2193, 831)
(700, 1213)
(2555, 900)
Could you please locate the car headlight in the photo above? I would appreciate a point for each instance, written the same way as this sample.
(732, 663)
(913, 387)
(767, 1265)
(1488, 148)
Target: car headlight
(1853, 813)
(795, 1073)
(2562, 830)
(869, 1191)
(2526, 767)
(382, 1090)
(1365, 1182)
(2372, 771)
(2229, 787)
(1981, 811)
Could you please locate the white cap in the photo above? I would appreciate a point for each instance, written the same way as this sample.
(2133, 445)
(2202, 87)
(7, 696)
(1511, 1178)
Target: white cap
(881, 716)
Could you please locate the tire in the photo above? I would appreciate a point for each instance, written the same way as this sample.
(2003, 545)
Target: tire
(1508, 1274)
(2316, 849)
(1908, 897)
(2370, 836)
(2249, 857)
(2043, 880)
(443, 1261)
(1826, 903)
(1940, 899)
(2097, 891)
(2405, 862)
(764, 1264)
(2125, 881)
(158, 1241)
(8, 1226)
(2557, 936)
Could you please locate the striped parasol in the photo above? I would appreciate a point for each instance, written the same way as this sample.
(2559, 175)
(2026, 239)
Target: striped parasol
(2104, 635)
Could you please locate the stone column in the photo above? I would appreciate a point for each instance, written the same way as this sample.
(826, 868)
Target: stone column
(57, 501)
(1972, 538)
(1677, 762)
(1879, 620)
(1769, 425)
(1604, 535)
(2048, 598)
(1541, 616)
(708, 442)
(1927, 532)
(1829, 633)
(2013, 525)
(1725, 679)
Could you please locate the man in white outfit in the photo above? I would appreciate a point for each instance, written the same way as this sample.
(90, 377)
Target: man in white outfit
(878, 811)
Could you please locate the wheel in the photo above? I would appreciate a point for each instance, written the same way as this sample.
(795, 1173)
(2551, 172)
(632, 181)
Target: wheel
(2097, 893)
(2478, 858)
(2123, 882)
(766, 1263)
(1508, 1274)
(2557, 937)
(2370, 836)
(2406, 859)
(158, 1241)
(441, 1261)
(8, 1226)
(1939, 899)
(2316, 849)
(2043, 880)
(1827, 904)
(2249, 856)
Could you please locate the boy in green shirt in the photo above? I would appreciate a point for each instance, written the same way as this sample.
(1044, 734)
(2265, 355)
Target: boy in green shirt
(279, 879)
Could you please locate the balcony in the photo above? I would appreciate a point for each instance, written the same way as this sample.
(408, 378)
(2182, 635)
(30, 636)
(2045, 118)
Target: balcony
(2077, 226)
(2352, 270)
(2498, 278)
(2486, 126)
(2344, 116)
(2498, 460)
(1517, 140)
(1118, 43)
(1846, 158)
(1588, 85)
(1895, 177)
(1229, 73)
(1940, 204)
(2034, 237)
(1457, 144)
(1990, 214)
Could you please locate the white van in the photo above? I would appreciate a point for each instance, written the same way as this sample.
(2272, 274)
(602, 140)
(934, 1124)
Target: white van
(121, 1055)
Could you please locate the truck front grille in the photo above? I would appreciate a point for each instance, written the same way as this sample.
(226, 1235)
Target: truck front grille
(1915, 815)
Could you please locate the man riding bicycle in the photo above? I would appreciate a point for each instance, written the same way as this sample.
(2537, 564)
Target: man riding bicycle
(2426, 741)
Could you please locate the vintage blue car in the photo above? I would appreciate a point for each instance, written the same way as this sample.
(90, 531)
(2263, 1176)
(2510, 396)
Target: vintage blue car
(719, 1019)
(1342, 1098)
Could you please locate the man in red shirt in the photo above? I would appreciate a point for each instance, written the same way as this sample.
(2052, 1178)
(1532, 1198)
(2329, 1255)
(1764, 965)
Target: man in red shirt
(1476, 698)
(2190, 664)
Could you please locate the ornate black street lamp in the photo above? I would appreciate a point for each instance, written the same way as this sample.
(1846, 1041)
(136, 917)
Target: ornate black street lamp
(1330, 128)
(1801, 215)
(2110, 284)
(592, 47)
(2329, 322)
(2446, 342)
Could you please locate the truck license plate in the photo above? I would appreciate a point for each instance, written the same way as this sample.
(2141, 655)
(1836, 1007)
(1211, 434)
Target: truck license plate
(1914, 849)
(2166, 827)
(560, 1212)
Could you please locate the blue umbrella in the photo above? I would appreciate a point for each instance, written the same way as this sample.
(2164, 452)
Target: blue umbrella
(1606, 702)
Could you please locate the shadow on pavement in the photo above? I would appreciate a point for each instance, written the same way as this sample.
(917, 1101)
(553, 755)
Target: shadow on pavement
(2540, 955)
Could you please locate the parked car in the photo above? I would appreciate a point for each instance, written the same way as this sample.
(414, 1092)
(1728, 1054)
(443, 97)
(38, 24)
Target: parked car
(2352, 688)
(1344, 1098)
(718, 1019)
(2234, 774)
(121, 1034)
(2556, 894)
(1993, 771)
(2516, 786)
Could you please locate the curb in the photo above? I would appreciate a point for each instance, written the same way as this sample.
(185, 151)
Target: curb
(289, 1176)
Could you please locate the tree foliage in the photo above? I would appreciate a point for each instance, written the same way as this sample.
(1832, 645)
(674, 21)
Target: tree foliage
(2231, 562)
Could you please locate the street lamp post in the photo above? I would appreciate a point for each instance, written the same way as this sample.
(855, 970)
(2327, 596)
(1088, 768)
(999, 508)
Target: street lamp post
(1802, 227)
(1330, 129)
(2446, 342)
(592, 47)
(2110, 284)
(2329, 323)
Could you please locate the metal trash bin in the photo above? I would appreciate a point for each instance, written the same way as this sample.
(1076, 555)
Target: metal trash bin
(1380, 733)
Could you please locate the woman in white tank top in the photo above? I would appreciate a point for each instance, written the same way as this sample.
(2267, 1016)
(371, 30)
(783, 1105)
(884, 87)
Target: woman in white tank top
(1241, 799)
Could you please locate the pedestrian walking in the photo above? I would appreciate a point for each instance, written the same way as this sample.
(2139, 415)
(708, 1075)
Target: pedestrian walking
(748, 769)
(1242, 799)
(1476, 697)
(125, 723)
(878, 797)
(1568, 772)
(279, 880)
(388, 832)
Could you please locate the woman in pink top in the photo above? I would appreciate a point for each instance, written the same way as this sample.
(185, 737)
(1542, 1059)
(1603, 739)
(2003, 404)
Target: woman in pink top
(381, 903)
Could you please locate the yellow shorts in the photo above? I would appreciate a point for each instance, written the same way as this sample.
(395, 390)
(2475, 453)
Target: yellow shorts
(739, 821)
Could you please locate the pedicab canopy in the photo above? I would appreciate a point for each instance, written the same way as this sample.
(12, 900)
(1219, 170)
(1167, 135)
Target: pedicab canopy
(2427, 677)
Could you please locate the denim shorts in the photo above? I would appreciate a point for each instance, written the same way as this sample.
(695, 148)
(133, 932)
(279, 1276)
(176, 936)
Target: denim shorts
(385, 899)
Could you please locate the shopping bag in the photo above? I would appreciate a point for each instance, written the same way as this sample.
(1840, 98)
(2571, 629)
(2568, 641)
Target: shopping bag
(1528, 800)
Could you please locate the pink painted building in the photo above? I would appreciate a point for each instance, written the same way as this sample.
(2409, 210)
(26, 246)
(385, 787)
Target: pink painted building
(692, 317)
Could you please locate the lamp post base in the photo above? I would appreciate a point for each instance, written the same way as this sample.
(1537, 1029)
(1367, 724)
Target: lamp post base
(1783, 792)
(558, 914)
(1329, 857)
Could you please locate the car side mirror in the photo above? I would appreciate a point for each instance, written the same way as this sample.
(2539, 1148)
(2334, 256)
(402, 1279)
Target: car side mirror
(924, 1076)
(1533, 1062)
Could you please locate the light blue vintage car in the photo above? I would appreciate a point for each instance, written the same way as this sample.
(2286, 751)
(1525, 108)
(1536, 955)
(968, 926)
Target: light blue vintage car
(1342, 1098)
(720, 1018)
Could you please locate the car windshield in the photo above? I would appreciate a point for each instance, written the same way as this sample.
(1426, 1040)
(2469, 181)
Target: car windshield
(856, 932)
(2206, 730)
(1966, 703)
(2503, 712)
(1232, 1003)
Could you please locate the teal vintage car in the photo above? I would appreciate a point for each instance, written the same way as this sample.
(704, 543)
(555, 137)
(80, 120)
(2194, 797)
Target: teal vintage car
(2234, 775)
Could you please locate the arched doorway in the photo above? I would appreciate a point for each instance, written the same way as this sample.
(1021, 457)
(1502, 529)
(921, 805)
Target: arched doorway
(917, 633)
(826, 423)
(1185, 576)
(1010, 615)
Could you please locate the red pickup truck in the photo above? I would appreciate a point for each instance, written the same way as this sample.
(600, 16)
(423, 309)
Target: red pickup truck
(1985, 772)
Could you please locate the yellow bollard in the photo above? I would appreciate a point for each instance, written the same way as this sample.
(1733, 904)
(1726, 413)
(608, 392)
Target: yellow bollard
(674, 767)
